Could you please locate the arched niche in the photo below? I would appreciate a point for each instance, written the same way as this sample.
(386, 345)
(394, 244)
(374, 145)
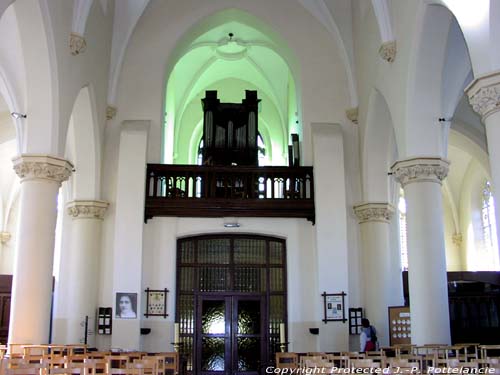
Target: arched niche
(247, 57)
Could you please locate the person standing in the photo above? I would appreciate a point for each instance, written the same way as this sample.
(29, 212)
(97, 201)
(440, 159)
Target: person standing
(368, 337)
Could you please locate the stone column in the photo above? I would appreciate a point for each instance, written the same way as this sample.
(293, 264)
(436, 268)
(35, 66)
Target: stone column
(421, 179)
(484, 97)
(41, 176)
(374, 219)
(83, 266)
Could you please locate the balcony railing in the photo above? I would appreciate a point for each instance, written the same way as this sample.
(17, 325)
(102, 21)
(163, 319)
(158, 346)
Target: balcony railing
(212, 191)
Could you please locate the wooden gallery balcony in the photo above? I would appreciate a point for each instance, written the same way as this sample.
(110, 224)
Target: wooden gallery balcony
(218, 191)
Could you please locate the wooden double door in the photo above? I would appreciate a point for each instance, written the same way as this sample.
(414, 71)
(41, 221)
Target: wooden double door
(231, 335)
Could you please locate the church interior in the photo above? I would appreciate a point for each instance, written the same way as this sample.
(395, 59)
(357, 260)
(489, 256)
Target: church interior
(233, 183)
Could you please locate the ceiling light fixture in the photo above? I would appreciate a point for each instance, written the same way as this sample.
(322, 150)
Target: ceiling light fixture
(18, 115)
(231, 225)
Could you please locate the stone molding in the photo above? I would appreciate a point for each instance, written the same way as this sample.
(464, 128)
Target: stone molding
(387, 51)
(352, 114)
(82, 209)
(77, 44)
(420, 169)
(373, 212)
(42, 167)
(110, 112)
(484, 94)
(5, 237)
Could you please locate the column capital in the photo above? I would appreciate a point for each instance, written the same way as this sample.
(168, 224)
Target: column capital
(484, 94)
(374, 211)
(77, 44)
(42, 167)
(387, 51)
(110, 112)
(420, 169)
(82, 209)
(352, 114)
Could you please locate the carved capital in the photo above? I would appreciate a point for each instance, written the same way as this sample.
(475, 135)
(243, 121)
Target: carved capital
(42, 167)
(484, 94)
(80, 209)
(5, 237)
(421, 169)
(110, 112)
(374, 211)
(77, 44)
(387, 51)
(352, 114)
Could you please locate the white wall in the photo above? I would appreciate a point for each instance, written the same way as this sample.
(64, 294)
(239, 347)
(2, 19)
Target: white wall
(159, 265)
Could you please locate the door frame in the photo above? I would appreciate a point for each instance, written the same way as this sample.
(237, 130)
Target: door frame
(231, 329)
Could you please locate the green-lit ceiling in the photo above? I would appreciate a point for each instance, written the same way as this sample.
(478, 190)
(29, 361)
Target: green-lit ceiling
(215, 61)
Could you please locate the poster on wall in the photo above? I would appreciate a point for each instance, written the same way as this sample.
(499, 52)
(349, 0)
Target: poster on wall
(126, 305)
(334, 307)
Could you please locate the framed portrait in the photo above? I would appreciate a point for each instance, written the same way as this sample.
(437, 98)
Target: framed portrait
(126, 305)
(334, 308)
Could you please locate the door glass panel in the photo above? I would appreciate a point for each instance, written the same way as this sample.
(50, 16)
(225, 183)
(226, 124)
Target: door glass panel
(249, 251)
(215, 251)
(249, 279)
(275, 252)
(214, 279)
(276, 280)
(186, 314)
(249, 317)
(248, 353)
(213, 320)
(212, 354)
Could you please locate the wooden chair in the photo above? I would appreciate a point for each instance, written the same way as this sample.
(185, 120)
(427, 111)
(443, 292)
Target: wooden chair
(364, 363)
(76, 349)
(488, 348)
(403, 366)
(54, 362)
(170, 363)
(159, 362)
(340, 361)
(95, 366)
(22, 371)
(149, 366)
(287, 360)
(308, 361)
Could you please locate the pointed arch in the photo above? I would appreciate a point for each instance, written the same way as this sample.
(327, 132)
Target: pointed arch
(83, 146)
(379, 150)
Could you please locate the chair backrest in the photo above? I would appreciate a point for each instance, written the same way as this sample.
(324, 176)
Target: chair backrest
(116, 362)
(149, 366)
(287, 360)
(364, 363)
(170, 362)
(159, 362)
(340, 361)
(95, 366)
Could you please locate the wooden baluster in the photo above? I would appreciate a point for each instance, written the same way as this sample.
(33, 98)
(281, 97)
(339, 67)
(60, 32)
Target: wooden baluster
(273, 180)
(155, 183)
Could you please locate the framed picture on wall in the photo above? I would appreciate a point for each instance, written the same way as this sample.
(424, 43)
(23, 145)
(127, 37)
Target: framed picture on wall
(156, 302)
(334, 308)
(126, 305)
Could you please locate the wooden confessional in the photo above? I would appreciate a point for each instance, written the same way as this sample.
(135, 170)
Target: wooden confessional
(230, 130)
